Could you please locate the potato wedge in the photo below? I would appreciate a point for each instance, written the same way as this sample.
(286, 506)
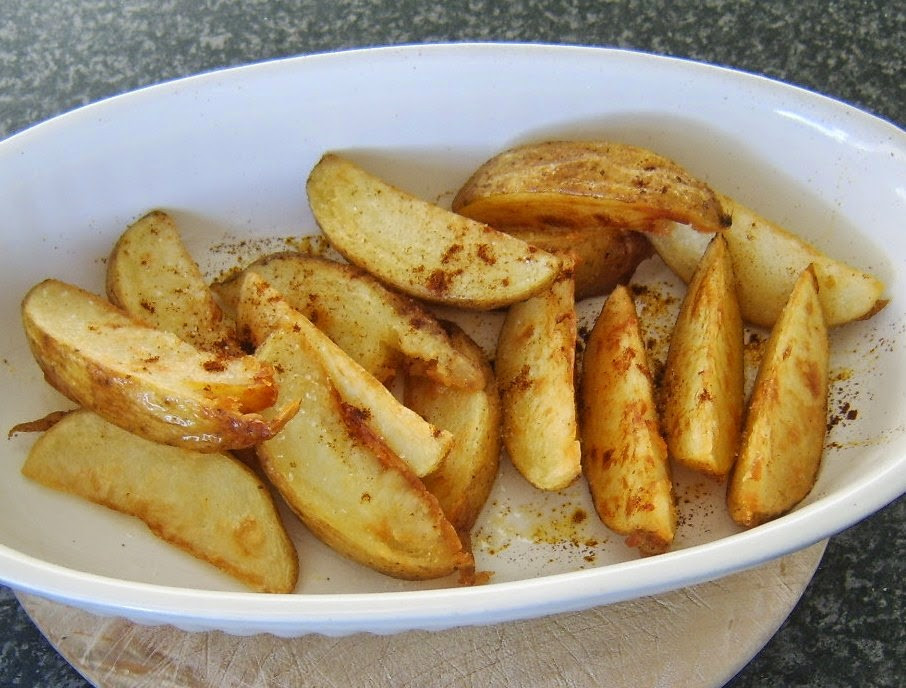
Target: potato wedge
(379, 328)
(420, 248)
(783, 439)
(767, 260)
(210, 505)
(603, 256)
(261, 309)
(535, 365)
(344, 483)
(152, 277)
(575, 184)
(145, 380)
(624, 457)
(704, 376)
(465, 478)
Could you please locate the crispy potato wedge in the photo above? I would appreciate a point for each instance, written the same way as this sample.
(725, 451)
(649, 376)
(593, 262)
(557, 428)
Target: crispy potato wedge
(603, 257)
(767, 260)
(464, 480)
(576, 184)
(783, 439)
(381, 329)
(209, 505)
(420, 248)
(261, 309)
(145, 380)
(704, 376)
(535, 365)
(152, 277)
(344, 483)
(624, 457)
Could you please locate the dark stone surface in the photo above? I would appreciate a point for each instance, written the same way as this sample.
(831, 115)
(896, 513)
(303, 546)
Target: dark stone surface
(55, 56)
(848, 628)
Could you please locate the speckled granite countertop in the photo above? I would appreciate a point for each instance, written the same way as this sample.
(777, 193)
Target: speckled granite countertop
(848, 628)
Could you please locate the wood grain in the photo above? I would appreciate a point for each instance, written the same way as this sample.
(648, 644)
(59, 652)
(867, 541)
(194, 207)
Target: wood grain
(698, 636)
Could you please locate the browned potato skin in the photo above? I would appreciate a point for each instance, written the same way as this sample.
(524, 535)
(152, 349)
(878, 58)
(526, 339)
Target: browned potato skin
(784, 434)
(210, 505)
(535, 365)
(603, 257)
(704, 376)
(574, 184)
(345, 484)
(419, 248)
(152, 277)
(379, 328)
(465, 478)
(39, 424)
(624, 457)
(145, 380)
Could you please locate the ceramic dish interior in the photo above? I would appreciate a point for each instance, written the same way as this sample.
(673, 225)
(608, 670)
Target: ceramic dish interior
(227, 153)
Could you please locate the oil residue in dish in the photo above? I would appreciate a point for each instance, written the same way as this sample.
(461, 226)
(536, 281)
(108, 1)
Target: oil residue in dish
(856, 387)
(551, 531)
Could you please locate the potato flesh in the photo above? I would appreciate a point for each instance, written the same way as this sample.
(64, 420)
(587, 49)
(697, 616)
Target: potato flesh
(419, 248)
(603, 257)
(261, 309)
(465, 478)
(576, 184)
(209, 505)
(624, 457)
(704, 376)
(152, 277)
(535, 363)
(344, 483)
(767, 260)
(144, 380)
(783, 438)
(380, 329)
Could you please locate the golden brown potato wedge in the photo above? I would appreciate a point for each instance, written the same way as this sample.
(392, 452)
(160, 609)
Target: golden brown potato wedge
(704, 377)
(575, 184)
(210, 505)
(624, 457)
(344, 483)
(261, 309)
(603, 256)
(379, 328)
(420, 248)
(145, 380)
(783, 439)
(152, 277)
(464, 480)
(535, 365)
(767, 260)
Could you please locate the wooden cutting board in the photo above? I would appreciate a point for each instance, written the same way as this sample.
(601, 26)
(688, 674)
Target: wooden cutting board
(697, 636)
